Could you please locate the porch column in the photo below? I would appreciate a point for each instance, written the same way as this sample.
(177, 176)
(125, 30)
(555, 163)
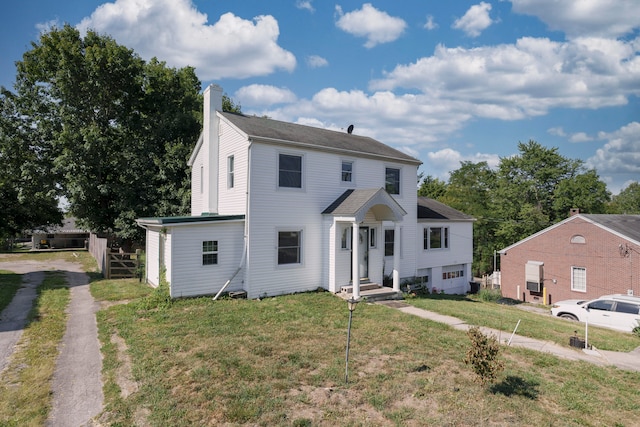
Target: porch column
(396, 257)
(355, 273)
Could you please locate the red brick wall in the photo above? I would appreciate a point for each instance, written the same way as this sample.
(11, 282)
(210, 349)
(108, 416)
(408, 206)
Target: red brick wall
(608, 272)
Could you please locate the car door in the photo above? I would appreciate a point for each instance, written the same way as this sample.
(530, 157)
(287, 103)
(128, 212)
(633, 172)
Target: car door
(626, 316)
(599, 312)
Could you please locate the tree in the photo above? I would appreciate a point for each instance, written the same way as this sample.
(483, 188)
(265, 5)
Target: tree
(627, 202)
(470, 190)
(536, 189)
(28, 195)
(119, 130)
(432, 188)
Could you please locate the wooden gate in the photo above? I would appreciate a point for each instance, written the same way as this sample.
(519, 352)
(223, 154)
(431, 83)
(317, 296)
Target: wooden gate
(122, 265)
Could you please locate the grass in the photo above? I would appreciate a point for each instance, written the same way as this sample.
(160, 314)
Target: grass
(9, 285)
(80, 256)
(474, 311)
(280, 361)
(25, 386)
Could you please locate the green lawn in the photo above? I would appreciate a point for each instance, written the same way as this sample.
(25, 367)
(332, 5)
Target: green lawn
(505, 318)
(281, 361)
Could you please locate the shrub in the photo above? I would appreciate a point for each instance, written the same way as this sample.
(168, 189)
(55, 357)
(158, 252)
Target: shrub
(483, 356)
(489, 295)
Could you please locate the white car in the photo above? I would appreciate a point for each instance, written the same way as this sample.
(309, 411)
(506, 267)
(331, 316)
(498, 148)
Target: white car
(621, 312)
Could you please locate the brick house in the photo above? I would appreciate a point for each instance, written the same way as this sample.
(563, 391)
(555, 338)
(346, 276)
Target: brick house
(582, 257)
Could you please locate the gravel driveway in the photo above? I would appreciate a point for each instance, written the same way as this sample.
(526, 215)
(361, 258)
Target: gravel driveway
(77, 382)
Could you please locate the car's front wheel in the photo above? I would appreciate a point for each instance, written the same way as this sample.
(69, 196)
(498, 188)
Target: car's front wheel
(568, 316)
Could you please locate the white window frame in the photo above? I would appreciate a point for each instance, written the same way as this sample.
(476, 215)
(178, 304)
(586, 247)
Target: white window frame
(386, 169)
(302, 160)
(206, 251)
(444, 238)
(230, 171)
(351, 180)
(578, 287)
(346, 238)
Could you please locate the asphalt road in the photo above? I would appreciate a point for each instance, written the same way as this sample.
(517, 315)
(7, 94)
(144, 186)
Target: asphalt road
(77, 382)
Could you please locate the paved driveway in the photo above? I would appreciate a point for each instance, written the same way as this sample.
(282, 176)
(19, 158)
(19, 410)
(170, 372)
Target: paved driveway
(77, 382)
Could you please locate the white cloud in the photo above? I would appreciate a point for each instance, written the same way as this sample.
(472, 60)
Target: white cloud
(264, 95)
(305, 5)
(556, 131)
(315, 61)
(620, 156)
(600, 18)
(378, 27)
(525, 79)
(440, 163)
(475, 20)
(175, 32)
(580, 137)
(431, 23)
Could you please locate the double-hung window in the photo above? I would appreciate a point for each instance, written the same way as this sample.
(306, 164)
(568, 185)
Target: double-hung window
(289, 247)
(392, 180)
(230, 172)
(388, 242)
(290, 171)
(209, 252)
(579, 279)
(347, 171)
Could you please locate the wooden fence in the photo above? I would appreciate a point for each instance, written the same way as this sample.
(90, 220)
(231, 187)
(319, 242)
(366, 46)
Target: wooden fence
(113, 265)
(122, 265)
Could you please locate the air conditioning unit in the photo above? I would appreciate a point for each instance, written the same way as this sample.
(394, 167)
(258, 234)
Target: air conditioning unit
(534, 276)
(533, 286)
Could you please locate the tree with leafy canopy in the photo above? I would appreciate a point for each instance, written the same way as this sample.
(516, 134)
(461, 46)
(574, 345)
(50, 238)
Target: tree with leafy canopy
(536, 189)
(27, 193)
(627, 201)
(118, 131)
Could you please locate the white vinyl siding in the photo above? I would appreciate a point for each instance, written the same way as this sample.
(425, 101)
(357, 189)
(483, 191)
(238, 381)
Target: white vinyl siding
(189, 276)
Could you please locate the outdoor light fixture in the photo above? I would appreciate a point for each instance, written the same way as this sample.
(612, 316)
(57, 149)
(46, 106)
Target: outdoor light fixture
(352, 302)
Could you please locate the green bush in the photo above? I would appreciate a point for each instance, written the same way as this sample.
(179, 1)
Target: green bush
(489, 295)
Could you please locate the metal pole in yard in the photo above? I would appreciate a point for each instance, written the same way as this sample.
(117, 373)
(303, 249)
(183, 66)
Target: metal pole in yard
(352, 306)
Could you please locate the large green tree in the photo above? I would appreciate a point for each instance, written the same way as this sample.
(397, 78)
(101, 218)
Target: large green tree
(120, 129)
(627, 201)
(28, 196)
(537, 188)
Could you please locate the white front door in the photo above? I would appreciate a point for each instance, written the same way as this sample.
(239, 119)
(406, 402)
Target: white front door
(363, 252)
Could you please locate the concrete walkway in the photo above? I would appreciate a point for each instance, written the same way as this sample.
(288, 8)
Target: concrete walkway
(627, 361)
(77, 381)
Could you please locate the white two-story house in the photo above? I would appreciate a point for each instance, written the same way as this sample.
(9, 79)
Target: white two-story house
(281, 208)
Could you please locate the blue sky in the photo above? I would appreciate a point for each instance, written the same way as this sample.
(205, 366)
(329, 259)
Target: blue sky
(444, 81)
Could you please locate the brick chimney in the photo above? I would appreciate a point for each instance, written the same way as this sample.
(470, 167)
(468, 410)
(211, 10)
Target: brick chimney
(574, 211)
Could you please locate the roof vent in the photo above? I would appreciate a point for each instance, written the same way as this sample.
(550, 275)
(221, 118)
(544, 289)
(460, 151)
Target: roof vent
(350, 129)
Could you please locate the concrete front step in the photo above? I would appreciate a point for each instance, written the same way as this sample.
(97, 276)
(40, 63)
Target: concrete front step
(363, 287)
(371, 292)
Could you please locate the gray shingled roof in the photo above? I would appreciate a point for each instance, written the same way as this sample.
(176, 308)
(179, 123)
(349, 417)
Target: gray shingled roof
(269, 129)
(358, 202)
(432, 209)
(627, 225)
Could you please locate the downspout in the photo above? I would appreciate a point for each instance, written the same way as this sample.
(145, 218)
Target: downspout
(246, 227)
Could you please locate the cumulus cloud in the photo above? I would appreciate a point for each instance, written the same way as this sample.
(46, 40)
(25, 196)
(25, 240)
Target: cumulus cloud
(264, 95)
(580, 137)
(621, 153)
(377, 26)
(174, 31)
(315, 61)
(440, 163)
(475, 20)
(525, 79)
(599, 18)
